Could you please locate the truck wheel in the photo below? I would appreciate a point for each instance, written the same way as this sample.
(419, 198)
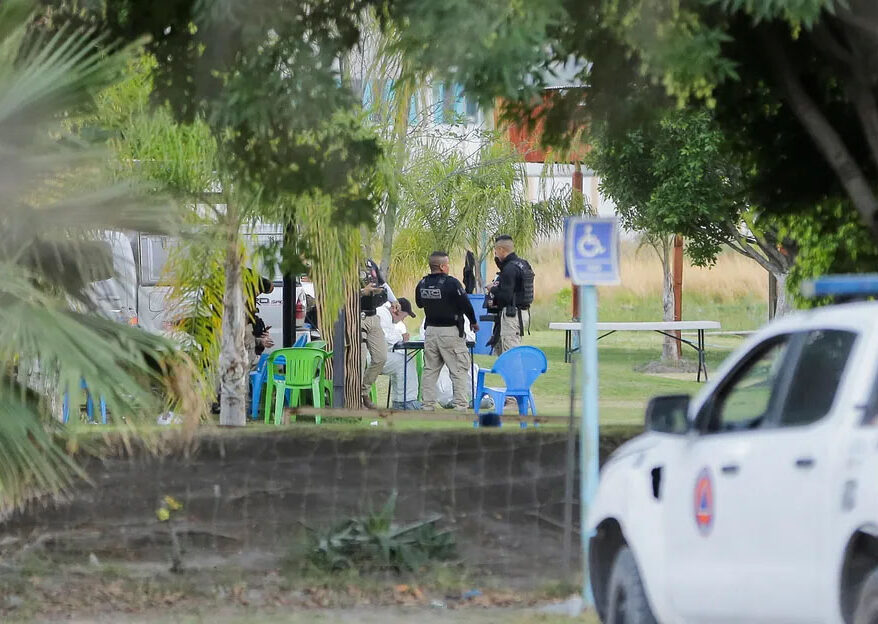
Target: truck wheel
(867, 605)
(626, 600)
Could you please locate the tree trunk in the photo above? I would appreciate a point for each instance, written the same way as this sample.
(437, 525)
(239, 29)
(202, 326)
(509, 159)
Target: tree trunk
(784, 303)
(326, 317)
(772, 295)
(31, 374)
(827, 140)
(233, 359)
(669, 347)
(577, 200)
(353, 371)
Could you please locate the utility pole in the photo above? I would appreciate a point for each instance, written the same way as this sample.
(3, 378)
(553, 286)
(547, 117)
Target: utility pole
(287, 311)
(577, 201)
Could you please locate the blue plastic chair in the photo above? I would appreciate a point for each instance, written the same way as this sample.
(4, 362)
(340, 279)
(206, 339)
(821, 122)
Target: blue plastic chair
(519, 367)
(89, 405)
(257, 381)
(257, 378)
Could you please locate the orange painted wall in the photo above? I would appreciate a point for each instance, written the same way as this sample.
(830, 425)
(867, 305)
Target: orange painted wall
(527, 140)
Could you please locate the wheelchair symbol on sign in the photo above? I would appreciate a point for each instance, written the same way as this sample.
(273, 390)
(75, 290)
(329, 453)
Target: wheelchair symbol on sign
(590, 245)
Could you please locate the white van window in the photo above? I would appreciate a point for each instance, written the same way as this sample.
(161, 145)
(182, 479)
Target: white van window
(153, 257)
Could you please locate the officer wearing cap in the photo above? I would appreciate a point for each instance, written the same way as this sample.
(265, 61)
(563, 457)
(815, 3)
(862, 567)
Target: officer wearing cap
(445, 304)
(372, 296)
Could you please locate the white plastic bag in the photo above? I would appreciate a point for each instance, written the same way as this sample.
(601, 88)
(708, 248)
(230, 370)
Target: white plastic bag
(445, 390)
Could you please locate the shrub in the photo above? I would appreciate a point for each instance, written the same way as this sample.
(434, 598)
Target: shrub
(374, 542)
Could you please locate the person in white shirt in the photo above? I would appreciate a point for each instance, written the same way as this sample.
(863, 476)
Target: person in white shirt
(391, 316)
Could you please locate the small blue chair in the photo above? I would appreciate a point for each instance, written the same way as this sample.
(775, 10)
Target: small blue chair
(89, 405)
(257, 378)
(257, 381)
(519, 367)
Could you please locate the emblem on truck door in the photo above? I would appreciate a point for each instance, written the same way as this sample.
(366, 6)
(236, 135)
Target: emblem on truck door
(704, 502)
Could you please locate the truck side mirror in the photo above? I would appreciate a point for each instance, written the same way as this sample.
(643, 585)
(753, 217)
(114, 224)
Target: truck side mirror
(668, 414)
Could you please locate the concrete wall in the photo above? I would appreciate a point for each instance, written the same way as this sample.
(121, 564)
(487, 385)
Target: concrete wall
(246, 496)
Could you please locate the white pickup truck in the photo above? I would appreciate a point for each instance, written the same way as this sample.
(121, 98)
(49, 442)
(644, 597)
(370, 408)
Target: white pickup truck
(757, 500)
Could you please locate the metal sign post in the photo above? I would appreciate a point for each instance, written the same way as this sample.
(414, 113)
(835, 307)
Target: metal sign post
(592, 258)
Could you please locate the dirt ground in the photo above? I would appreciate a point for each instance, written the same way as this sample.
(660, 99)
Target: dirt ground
(44, 591)
(385, 615)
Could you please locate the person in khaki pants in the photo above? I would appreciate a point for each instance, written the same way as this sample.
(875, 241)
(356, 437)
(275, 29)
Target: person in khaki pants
(445, 304)
(373, 335)
(512, 294)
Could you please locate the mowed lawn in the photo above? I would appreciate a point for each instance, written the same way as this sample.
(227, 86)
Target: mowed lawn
(623, 389)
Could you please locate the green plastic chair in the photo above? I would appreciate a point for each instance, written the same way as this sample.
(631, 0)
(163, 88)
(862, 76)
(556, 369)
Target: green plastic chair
(324, 382)
(302, 371)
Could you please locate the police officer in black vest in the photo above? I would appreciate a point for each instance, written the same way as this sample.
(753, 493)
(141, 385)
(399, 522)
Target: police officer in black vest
(512, 295)
(445, 304)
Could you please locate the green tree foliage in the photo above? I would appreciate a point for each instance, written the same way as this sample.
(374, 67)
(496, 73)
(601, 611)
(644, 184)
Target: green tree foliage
(497, 48)
(176, 160)
(831, 240)
(672, 176)
(792, 83)
(265, 81)
(675, 174)
(53, 206)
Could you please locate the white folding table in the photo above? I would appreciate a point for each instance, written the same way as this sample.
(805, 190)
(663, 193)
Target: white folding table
(661, 327)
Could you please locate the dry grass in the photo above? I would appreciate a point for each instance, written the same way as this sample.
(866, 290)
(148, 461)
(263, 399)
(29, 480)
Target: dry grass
(732, 277)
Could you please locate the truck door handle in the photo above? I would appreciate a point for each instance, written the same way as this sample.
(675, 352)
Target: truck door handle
(805, 462)
(730, 469)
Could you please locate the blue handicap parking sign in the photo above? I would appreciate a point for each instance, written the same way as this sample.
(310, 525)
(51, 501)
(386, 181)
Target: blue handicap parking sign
(591, 250)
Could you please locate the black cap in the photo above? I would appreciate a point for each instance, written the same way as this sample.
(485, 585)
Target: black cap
(406, 306)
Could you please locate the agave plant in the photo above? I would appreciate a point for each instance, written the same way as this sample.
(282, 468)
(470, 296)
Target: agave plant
(374, 542)
(54, 207)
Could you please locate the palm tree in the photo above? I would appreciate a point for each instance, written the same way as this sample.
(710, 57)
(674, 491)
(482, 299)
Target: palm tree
(454, 202)
(53, 205)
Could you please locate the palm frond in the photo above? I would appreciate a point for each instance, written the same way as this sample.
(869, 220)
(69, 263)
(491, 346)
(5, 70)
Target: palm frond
(32, 463)
(55, 202)
(455, 202)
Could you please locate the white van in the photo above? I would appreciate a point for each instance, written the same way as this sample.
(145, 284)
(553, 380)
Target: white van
(136, 296)
(117, 296)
